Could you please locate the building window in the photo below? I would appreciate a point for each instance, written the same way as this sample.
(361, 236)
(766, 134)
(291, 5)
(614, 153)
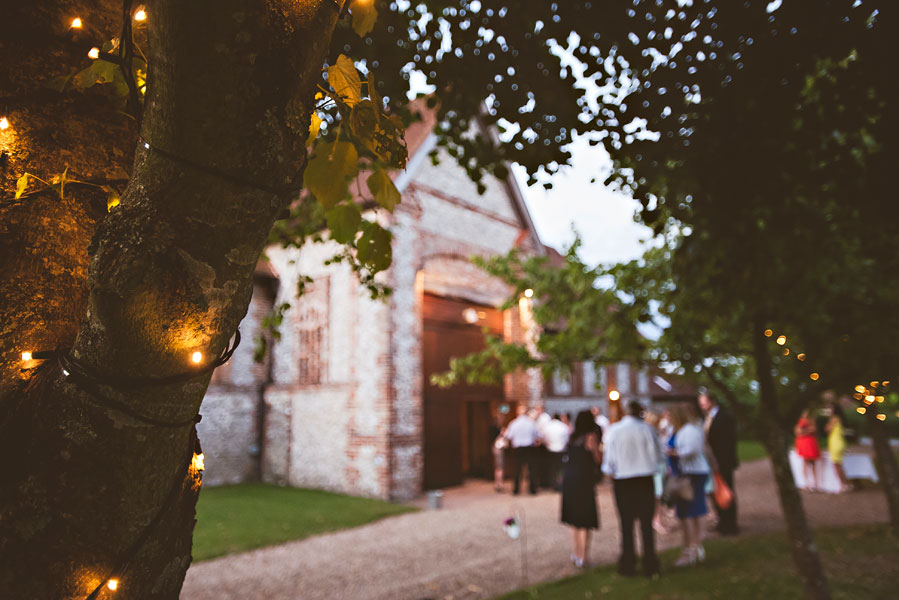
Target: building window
(312, 332)
(562, 382)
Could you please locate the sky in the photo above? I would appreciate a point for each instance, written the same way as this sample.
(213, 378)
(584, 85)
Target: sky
(603, 218)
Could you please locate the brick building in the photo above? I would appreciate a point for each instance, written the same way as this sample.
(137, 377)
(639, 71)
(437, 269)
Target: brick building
(342, 402)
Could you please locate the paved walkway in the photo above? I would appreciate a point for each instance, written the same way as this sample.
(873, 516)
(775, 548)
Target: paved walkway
(462, 552)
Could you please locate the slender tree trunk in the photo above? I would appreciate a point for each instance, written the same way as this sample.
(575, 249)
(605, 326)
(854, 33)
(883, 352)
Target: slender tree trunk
(886, 467)
(90, 490)
(802, 545)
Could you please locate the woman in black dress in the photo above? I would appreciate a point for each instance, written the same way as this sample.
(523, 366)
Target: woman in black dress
(578, 484)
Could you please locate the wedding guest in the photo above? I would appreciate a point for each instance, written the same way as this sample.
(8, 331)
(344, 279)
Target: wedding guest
(601, 420)
(555, 439)
(543, 457)
(807, 448)
(686, 457)
(653, 419)
(836, 442)
(522, 436)
(498, 444)
(578, 485)
(631, 458)
(721, 434)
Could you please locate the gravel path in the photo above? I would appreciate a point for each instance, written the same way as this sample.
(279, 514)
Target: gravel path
(461, 551)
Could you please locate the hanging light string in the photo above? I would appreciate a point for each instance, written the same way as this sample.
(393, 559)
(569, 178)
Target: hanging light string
(124, 561)
(218, 173)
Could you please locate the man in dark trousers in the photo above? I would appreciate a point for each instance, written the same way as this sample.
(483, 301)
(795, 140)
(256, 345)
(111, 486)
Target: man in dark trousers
(721, 435)
(632, 456)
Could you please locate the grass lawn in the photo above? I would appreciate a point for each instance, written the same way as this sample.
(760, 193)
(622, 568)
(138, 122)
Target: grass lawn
(860, 563)
(750, 450)
(242, 517)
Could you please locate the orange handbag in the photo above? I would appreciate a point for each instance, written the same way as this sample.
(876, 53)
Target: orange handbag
(724, 496)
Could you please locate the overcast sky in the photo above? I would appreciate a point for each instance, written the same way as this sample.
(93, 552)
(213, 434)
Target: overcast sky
(603, 218)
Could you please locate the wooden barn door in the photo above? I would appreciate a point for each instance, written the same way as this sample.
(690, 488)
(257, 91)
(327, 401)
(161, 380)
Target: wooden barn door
(456, 420)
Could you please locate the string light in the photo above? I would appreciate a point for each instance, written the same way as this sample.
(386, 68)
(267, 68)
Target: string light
(786, 351)
(197, 357)
(113, 584)
(768, 333)
(861, 410)
(76, 23)
(860, 389)
(814, 376)
(878, 398)
(614, 395)
(781, 340)
(858, 395)
(874, 384)
(140, 15)
(881, 417)
(884, 383)
(4, 123)
(869, 399)
(197, 462)
(94, 53)
(528, 293)
(800, 356)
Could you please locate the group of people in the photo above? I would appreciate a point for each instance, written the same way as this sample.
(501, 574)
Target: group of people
(808, 449)
(638, 452)
(538, 444)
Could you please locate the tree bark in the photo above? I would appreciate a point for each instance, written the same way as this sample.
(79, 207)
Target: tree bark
(95, 492)
(886, 466)
(802, 545)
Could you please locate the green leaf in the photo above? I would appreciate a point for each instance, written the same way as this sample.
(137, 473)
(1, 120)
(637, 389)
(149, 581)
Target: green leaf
(364, 16)
(21, 185)
(344, 78)
(343, 221)
(315, 125)
(382, 188)
(327, 172)
(374, 246)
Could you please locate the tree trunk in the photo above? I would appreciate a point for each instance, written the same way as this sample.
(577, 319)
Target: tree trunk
(886, 466)
(802, 545)
(99, 488)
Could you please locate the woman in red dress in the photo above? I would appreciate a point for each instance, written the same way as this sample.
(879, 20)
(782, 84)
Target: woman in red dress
(807, 448)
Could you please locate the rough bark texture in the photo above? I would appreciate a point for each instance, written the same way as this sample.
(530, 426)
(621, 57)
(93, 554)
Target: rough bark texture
(886, 467)
(230, 91)
(802, 544)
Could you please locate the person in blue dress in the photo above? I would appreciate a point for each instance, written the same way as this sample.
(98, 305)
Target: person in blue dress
(686, 456)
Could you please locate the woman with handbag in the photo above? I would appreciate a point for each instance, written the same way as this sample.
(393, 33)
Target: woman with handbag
(689, 471)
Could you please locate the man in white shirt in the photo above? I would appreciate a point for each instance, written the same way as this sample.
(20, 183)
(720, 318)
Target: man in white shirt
(601, 419)
(522, 436)
(555, 439)
(632, 455)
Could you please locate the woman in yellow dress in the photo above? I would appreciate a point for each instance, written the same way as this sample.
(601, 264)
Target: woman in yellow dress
(836, 442)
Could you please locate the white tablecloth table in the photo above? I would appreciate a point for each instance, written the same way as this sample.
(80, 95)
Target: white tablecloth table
(855, 464)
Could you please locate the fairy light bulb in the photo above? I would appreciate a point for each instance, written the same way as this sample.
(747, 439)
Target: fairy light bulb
(614, 395)
(881, 417)
(4, 123)
(528, 293)
(814, 376)
(140, 15)
(781, 340)
(861, 410)
(196, 357)
(800, 356)
(76, 23)
(26, 355)
(860, 389)
(768, 333)
(113, 584)
(94, 53)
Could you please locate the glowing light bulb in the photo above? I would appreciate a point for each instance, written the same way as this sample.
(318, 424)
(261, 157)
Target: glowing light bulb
(113, 584)
(781, 340)
(878, 398)
(140, 15)
(881, 417)
(4, 123)
(529, 293)
(614, 395)
(768, 333)
(786, 351)
(26, 355)
(869, 399)
(814, 376)
(861, 410)
(197, 462)
(94, 53)
(197, 357)
(874, 384)
(76, 23)
(801, 356)
(860, 389)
